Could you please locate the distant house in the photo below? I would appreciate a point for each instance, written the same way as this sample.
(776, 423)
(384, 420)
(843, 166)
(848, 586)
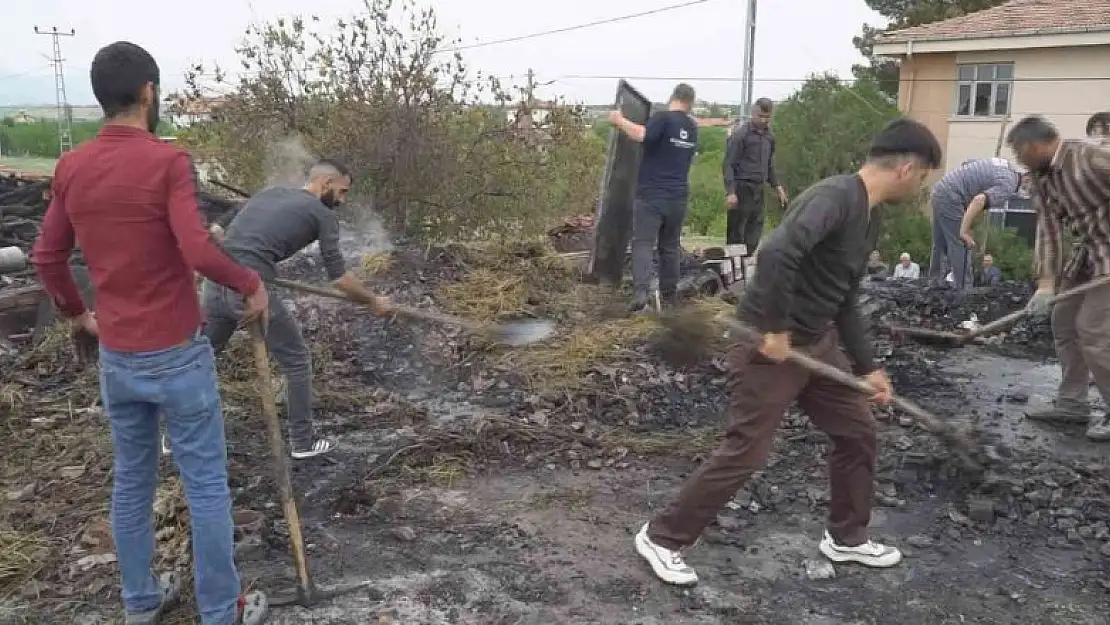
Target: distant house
(23, 117)
(188, 111)
(714, 122)
(528, 115)
(969, 77)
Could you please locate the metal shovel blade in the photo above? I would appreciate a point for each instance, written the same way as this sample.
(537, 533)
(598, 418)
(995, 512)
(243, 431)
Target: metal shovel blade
(523, 332)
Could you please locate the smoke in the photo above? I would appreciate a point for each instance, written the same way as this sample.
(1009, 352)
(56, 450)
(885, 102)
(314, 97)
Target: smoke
(364, 233)
(287, 162)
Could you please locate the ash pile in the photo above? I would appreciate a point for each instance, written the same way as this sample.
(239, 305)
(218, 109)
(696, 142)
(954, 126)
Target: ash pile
(22, 206)
(23, 202)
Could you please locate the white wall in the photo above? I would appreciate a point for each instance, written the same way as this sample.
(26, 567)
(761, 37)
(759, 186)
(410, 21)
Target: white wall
(1067, 103)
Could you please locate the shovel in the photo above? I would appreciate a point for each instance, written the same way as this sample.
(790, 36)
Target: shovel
(514, 333)
(946, 432)
(953, 339)
(306, 593)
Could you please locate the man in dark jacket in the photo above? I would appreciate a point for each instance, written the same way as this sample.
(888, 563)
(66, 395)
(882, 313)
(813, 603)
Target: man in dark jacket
(805, 294)
(749, 164)
(663, 185)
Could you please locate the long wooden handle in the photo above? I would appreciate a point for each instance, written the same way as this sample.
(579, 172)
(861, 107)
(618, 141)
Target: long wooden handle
(282, 473)
(400, 309)
(847, 379)
(1004, 322)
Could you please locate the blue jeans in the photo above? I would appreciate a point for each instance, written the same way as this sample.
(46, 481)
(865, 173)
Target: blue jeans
(179, 382)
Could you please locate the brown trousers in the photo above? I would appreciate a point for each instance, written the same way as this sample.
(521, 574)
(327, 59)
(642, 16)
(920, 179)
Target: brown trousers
(1081, 330)
(760, 392)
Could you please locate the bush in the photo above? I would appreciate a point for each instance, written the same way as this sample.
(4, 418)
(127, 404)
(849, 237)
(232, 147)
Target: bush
(428, 143)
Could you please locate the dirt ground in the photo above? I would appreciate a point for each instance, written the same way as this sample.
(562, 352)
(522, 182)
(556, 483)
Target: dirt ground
(477, 485)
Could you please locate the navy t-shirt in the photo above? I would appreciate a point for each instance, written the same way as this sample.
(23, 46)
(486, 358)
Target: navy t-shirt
(670, 139)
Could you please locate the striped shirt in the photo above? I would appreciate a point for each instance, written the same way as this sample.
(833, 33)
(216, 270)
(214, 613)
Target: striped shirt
(1074, 193)
(993, 177)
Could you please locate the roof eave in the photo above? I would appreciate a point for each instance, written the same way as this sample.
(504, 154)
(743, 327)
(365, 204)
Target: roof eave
(893, 38)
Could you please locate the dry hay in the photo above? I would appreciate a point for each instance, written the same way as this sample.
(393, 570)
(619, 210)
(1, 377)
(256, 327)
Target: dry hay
(511, 280)
(444, 456)
(563, 362)
(373, 264)
(689, 443)
(171, 526)
(22, 556)
(484, 295)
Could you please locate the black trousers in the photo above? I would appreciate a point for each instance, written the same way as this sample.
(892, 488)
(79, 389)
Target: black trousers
(745, 220)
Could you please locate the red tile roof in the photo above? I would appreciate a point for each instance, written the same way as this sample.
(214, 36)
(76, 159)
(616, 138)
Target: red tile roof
(1018, 17)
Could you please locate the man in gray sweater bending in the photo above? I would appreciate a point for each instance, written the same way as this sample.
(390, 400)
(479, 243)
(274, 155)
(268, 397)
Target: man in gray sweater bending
(273, 226)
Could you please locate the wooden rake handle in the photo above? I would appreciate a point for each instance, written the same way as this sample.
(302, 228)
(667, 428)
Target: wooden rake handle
(1004, 322)
(282, 472)
(400, 309)
(830, 372)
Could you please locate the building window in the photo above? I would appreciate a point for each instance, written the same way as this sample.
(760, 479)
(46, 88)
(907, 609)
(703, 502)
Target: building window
(984, 89)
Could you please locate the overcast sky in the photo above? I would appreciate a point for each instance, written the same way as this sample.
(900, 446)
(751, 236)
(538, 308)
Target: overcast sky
(695, 43)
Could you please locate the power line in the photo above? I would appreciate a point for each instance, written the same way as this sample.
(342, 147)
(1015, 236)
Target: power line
(819, 77)
(567, 29)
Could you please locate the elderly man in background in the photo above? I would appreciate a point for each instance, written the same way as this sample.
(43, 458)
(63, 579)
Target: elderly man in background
(906, 269)
(989, 275)
(1098, 126)
(875, 264)
(1071, 181)
(958, 199)
(748, 165)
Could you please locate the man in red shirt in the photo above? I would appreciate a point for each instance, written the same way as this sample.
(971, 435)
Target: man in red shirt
(128, 199)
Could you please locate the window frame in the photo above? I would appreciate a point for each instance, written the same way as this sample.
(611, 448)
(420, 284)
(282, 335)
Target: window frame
(972, 84)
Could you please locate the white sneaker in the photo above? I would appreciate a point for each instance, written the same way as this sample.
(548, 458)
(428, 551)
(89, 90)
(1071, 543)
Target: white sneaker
(868, 554)
(667, 564)
(321, 446)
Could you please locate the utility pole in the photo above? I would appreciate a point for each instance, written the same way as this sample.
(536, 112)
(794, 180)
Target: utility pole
(65, 135)
(747, 77)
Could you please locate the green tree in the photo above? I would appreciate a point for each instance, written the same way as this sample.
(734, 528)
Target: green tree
(821, 130)
(904, 14)
(428, 142)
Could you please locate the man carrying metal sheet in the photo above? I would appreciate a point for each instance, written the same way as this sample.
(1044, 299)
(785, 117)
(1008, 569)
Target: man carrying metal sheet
(659, 209)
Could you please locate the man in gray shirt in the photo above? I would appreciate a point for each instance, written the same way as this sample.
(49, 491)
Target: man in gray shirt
(957, 199)
(273, 226)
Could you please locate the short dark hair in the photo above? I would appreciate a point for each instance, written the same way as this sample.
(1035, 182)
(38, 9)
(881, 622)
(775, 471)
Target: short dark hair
(1099, 120)
(118, 73)
(683, 93)
(333, 165)
(905, 137)
(1032, 129)
(764, 104)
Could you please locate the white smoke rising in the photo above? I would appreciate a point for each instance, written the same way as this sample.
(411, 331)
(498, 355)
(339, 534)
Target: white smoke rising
(287, 165)
(287, 162)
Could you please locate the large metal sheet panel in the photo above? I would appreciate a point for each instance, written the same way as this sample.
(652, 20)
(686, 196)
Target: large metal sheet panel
(613, 220)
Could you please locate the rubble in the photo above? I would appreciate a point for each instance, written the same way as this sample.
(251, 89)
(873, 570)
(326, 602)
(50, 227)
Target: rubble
(448, 446)
(920, 304)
